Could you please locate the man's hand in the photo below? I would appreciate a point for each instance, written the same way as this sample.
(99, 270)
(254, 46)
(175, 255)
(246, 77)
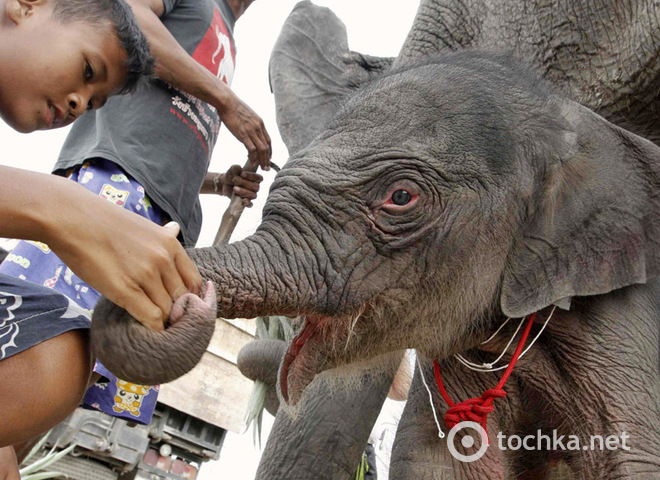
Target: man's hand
(243, 183)
(248, 128)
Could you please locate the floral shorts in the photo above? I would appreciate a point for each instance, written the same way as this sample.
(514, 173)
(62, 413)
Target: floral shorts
(40, 297)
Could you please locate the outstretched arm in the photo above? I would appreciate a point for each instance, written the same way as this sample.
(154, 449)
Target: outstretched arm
(142, 269)
(176, 67)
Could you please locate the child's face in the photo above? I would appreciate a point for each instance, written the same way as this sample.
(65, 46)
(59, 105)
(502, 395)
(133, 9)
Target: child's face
(58, 70)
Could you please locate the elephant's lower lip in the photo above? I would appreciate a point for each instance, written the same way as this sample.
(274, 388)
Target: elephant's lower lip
(293, 351)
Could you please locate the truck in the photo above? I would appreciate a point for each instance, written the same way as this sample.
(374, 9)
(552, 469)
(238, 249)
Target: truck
(189, 426)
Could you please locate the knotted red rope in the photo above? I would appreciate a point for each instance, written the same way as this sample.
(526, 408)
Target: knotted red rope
(477, 409)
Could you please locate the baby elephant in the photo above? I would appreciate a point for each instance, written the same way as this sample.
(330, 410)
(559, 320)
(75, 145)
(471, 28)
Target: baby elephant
(443, 197)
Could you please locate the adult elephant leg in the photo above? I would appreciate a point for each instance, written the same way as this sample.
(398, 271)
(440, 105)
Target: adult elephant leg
(420, 454)
(328, 433)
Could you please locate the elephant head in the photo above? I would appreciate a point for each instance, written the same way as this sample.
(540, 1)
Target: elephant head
(452, 167)
(458, 167)
(443, 194)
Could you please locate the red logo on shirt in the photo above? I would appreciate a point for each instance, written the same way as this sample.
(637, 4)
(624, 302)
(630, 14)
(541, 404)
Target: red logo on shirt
(215, 51)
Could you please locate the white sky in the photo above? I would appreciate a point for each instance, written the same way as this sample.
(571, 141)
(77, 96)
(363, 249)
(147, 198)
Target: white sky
(375, 27)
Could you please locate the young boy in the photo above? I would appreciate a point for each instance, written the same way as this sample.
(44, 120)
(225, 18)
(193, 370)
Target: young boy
(176, 119)
(59, 58)
(147, 145)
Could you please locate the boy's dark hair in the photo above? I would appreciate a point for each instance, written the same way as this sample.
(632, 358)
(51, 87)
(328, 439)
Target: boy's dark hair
(140, 63)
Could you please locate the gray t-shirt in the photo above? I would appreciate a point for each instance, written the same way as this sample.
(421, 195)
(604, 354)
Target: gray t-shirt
(161, 136)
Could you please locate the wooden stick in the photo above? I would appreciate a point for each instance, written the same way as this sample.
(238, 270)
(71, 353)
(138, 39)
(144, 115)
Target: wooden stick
(235, 209)
(233, 213)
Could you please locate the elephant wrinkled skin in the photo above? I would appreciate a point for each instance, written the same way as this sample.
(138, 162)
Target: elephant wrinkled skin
(422, 220)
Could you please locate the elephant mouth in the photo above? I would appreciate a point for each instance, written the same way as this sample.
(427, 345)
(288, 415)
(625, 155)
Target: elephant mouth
(312, 352)
(322, 344)
(291, 364)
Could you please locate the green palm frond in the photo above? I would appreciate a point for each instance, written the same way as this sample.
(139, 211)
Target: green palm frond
(43, 476)
(363, 468)
(273, 328)
(34, 470)
(36, 448)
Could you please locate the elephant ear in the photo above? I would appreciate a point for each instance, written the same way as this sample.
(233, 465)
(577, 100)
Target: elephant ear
(312, 71)
(594, 221)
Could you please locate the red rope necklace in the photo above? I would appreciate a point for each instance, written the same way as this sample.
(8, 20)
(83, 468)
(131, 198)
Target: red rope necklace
(477, 409)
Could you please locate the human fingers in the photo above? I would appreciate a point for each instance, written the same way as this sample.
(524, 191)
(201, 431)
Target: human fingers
(172, 228)
(253, 153)
(188, 272)
(184, 268)
(252, 176)
(266, 136)
(140, 306)
(263, 150)
(233, 172)
(265, 139)
(159, 290)
(246, 184)
(245, 193)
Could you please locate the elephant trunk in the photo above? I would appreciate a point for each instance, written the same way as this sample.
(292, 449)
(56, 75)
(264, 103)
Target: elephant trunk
(260, 359)
(439, 27)
(259, 276)
(328, 435)
(253, 277)
(140, 355)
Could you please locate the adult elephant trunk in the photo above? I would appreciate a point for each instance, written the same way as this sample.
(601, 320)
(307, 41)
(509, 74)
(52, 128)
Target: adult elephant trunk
(256, 276)
(260, 360)
(440, 25)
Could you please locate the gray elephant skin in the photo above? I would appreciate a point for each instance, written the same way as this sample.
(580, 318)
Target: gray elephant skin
(330, 429)
(327, 435)
(601, 53)
(445, 195)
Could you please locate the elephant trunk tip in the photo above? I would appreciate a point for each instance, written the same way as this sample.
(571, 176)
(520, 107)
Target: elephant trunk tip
(138, 354)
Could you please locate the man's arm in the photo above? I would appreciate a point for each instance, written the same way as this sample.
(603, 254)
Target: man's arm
(236, 180)
(137, 264)
(176, 67)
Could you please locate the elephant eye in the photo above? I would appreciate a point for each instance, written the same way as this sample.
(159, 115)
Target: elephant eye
(401, 197)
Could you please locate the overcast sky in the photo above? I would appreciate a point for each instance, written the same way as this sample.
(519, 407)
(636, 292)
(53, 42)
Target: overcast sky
(376, 27)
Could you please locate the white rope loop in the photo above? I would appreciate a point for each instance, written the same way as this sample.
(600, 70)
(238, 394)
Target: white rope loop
(484, 367)
(489, 367)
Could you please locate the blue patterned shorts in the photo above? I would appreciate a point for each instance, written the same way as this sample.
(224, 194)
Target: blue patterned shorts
(41, 298)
